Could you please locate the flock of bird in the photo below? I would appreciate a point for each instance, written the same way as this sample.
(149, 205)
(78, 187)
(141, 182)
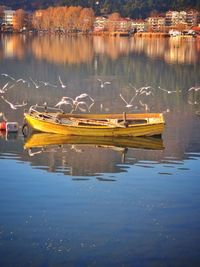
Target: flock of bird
(77, 103)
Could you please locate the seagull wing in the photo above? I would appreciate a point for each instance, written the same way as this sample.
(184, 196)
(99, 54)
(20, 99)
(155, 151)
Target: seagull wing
(81, 96)
(9, 103)
(3, 89)
(132, 99)
(192, 88)
(123, 99)
(59, 103)
(163, 89)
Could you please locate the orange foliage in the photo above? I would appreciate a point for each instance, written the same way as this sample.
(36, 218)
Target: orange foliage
(69, 19)
(20, 19)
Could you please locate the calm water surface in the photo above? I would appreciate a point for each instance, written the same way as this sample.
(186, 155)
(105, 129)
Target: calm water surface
(101, 204)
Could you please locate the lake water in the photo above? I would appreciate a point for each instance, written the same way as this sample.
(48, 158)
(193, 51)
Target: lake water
(97, 204)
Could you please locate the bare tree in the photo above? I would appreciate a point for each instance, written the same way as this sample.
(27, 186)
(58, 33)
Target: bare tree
(20, 20)
(86, 19)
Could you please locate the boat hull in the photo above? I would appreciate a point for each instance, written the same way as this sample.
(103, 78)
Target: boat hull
(134, 130)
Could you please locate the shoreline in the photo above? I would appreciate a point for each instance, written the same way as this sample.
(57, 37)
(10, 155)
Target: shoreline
(106, 34)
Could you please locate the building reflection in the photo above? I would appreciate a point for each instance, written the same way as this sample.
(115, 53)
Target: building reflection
(13, 46)
(82, 49)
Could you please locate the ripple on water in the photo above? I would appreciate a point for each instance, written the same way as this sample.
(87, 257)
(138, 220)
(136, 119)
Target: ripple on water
(9, 156)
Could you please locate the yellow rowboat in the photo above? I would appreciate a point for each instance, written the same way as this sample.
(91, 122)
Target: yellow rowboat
(37, 140)
(97, 125)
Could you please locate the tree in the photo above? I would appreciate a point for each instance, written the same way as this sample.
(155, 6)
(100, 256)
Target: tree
(37, 19)
(86, 19)
(72, 18)
(20, 20)
(1, 14)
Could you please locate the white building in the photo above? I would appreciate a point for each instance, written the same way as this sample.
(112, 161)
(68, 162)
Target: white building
(8, 17)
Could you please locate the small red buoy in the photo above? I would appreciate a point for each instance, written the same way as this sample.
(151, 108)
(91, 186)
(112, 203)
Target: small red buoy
(3, 125)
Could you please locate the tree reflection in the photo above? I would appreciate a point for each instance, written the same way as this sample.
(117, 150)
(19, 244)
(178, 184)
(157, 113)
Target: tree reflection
(81, 49)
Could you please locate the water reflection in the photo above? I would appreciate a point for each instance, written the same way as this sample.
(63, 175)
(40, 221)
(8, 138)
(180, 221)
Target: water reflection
(127, 63)
(82, 49)
(82, 156)
(134, 202)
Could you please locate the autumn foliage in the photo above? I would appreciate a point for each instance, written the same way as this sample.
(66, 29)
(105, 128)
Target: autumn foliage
(64, 19)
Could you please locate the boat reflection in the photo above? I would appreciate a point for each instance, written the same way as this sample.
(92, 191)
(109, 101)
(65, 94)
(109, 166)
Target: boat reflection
(84, 156)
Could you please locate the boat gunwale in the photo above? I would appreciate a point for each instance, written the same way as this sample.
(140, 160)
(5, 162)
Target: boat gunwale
(145, 124)
(108, 125)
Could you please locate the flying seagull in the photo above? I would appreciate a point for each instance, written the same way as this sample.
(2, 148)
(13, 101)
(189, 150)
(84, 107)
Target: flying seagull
(103, 83)
(128, 104)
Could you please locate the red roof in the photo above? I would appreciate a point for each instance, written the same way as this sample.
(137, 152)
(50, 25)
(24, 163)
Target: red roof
(196, 28)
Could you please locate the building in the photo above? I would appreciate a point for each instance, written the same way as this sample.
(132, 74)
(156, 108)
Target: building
(189, 18)
(156, 23)
(175, 17)
(8, 18)
(193, 18)
(122, 24)
(100, 24)
(138, 25)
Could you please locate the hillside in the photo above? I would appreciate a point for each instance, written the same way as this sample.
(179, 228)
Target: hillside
(131, 8)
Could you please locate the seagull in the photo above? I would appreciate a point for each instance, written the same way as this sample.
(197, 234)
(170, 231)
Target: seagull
(147, 93)
(194, 88)
(128, 104)
(62, 84)
(81, 109)
(130, 84)
(168, 91)
(65, 101)
(48, 84)
(144, 89)
(166, 111)
(6, 75)
(141, 89)
(146, 107)
(31, 154)
(14, 106)
(103, 83)
(83, 96)
(89, 108)
(4, 89)
(21, 105)
(9, 103)
(21, 80)
(12, 86)
(36, 85)
(3, 116)
(193, 103)
(74, 102)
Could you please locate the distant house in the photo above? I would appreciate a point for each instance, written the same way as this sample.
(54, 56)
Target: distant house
(189, 18)
(175, 18)
(8, 18)
(100, 24)
(138, 25)
(193, 18)
(124, 24)
(156, 23)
